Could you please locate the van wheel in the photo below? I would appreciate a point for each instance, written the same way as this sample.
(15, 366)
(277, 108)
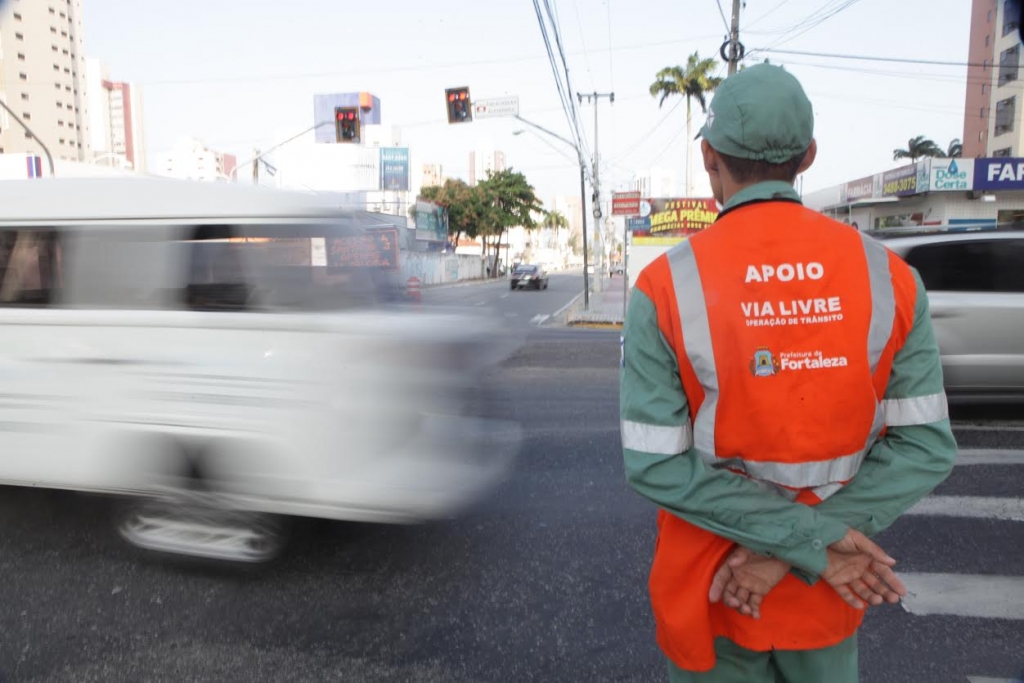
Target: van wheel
(197, 524)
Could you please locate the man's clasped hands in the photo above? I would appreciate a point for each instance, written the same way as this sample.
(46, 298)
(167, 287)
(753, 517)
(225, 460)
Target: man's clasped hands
(858, 569)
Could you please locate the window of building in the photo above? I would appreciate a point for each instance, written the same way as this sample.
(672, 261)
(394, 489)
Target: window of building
(984, 65)
(1004, 152)
(19, 36)
(60, 123)
(54, 48)
(53, 11)
(64, 51)
(28, 136)
(1005, 110)
(1009, 61)
(56, 67)
(31, 271)
(67, 70)
(61, 141)
(53, 30)
(27, 116)
(981, 266)
(990, 16)
(1011, 16)
(24, 95)
(17, 17)
(981, 136)
(21, 57)
(987, 41)
(984, 88)
(982, 112)
(23, 76)
(63, 16)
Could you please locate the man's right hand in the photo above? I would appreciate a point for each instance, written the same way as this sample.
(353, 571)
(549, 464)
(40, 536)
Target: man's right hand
(861, 572)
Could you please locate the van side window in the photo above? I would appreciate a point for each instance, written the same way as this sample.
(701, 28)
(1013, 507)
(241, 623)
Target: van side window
(970, 266)
(216, 276)
(31, 267)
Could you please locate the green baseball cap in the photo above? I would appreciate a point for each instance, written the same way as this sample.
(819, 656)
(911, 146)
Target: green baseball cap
(760, 113)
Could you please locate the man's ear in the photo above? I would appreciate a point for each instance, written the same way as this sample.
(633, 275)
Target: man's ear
(710, 158)
(809, 157)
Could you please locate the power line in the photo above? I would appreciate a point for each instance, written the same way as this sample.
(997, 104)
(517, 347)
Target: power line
(871, 58)
(583, 42)
(722, 13)
(815, 19)
(765, 15)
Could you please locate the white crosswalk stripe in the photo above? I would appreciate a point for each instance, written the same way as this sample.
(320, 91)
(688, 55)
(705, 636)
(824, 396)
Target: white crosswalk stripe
(947, 596)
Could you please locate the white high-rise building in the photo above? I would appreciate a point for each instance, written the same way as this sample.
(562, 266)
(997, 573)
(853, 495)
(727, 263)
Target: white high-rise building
(42, 78)
(482, 162)
(115, 119)
(192, 160)
(656, 182)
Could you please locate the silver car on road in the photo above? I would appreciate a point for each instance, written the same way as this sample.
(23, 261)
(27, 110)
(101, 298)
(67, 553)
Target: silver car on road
(975, 283)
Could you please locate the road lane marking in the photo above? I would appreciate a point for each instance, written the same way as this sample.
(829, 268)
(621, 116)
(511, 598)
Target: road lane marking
(539, 319)
(480, 303)
(964, 595)
(975, 507)
(505, 295)
(996, 427)
(986, 679)
(561, 310)
(989, 456)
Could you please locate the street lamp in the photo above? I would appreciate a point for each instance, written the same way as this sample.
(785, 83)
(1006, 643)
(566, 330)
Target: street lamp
(583, 200)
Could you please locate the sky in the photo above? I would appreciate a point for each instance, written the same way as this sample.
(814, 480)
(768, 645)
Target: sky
(241, 74)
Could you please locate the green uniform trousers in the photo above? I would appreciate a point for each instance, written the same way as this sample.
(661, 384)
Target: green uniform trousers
(836, 664)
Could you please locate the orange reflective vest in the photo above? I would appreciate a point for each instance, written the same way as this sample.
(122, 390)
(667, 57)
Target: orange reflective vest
(784, 324)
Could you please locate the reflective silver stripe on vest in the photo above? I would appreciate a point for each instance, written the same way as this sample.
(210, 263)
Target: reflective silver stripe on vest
(883, 299)
(921, 410)
(693, 316)
(638, 436)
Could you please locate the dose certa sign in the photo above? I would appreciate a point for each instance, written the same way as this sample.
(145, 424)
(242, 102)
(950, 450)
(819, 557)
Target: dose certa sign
(626, 204)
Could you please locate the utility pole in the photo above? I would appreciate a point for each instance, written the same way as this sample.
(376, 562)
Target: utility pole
(736, 49)
(598, 238)
(255, 167)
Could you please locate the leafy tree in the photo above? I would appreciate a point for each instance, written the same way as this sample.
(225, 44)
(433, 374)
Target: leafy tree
(693, 82)
(508, 201)
(917, 148)
(464, 206)
(955, 149)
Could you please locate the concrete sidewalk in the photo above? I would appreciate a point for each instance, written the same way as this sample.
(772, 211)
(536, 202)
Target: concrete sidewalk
(606, 306)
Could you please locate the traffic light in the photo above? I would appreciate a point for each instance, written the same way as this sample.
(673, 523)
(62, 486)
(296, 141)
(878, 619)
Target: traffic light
(459, 110)
(346, 124)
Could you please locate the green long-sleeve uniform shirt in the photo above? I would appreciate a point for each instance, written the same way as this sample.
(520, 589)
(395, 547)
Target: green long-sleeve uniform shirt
(901, 468)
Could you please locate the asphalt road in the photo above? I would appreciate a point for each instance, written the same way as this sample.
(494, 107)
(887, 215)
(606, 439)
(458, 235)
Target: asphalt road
(520, 308)
(543, 581)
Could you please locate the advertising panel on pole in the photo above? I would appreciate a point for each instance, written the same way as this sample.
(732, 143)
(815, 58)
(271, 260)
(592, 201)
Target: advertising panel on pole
(431, 222)
(673, 220)
(394, 169)
(626, 204)
(900, 182)
(999, 173)
(950, 175)
(496, 107)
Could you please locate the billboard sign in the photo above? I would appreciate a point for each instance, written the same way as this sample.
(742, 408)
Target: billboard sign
(863, 188)
(951, 175)
(496, 107)
(673, 220)
(900, 182)
(999, 173)
(394, 169)
(626, 204)
(377, 248)
(431, 222)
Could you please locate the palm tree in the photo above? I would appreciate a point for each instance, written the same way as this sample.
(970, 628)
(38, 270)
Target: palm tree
(555, 220)
(955, 149)
(918, 147)
(694, 82)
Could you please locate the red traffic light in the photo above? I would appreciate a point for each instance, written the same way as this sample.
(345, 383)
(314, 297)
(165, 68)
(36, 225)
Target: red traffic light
(458, 105)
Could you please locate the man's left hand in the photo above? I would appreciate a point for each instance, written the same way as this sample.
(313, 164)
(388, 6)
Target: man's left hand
(744, 579)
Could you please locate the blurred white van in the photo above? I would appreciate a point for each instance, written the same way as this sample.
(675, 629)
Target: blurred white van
(225, 356)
